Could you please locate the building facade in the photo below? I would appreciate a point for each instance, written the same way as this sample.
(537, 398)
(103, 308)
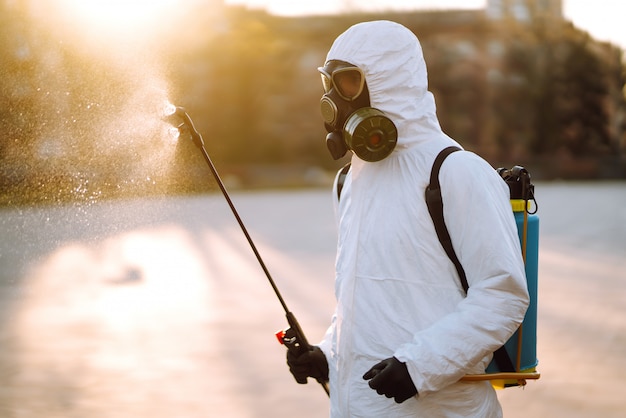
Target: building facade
(524, 10)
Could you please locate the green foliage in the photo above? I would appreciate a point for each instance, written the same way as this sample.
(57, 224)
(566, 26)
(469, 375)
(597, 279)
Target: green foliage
(563, 87)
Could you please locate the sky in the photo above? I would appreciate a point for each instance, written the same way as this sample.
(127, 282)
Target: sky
(603, 19)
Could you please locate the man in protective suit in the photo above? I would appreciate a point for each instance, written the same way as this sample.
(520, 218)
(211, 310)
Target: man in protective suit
(403, 327)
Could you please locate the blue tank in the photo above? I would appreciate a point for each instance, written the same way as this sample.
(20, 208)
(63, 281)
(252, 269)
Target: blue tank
(522, 346)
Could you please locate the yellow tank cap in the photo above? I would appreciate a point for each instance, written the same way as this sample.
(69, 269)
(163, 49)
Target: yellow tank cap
(518, 205)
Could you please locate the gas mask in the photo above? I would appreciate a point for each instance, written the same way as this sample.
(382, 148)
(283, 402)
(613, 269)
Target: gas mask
(351, 123)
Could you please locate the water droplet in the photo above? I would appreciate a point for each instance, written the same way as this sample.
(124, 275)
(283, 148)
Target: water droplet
(168, 109)
(173, 134)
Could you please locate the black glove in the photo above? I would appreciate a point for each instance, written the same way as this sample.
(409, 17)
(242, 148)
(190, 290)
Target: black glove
(391, 378)
(311, 363)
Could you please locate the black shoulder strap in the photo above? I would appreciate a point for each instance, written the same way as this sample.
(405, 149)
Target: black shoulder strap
(434, 202)
(435, 208)
(341, 179)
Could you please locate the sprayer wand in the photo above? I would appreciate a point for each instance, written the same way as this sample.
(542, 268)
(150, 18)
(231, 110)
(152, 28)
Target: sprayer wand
(293, 337)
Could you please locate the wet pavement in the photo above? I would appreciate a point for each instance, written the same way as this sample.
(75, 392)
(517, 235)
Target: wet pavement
(158, 307)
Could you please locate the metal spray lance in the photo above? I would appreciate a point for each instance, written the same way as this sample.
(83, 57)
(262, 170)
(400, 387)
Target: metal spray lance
(293, 337)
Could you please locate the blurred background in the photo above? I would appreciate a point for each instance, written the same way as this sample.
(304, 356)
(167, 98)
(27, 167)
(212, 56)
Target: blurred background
(126, 288)
(82, 84)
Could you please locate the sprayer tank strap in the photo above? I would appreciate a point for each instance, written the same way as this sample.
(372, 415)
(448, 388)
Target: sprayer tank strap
(434, 201)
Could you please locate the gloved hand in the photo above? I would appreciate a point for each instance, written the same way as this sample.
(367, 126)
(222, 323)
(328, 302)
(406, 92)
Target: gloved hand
(391, 378)
(311, 363)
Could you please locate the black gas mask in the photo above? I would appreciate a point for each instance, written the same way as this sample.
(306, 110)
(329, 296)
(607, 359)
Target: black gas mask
(351, 123)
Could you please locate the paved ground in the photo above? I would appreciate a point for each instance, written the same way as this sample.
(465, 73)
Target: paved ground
(157, 308)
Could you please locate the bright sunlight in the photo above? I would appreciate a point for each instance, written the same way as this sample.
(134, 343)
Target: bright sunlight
(94, 25)
(118, 15)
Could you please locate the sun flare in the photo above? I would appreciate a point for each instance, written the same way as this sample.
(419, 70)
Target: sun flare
(118, 15)
(111, 24)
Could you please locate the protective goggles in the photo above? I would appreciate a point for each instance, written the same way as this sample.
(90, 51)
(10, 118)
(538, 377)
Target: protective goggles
(348, 81)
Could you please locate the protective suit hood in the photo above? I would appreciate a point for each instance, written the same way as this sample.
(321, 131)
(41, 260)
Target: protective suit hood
(395, 71)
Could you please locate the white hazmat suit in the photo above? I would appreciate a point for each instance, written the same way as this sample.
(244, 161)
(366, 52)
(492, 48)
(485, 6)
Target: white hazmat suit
(398, 294)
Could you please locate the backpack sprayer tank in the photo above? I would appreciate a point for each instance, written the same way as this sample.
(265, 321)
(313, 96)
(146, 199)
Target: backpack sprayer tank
(522, 346)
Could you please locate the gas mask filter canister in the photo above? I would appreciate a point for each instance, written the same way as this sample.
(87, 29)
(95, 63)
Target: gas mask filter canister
(349, 119)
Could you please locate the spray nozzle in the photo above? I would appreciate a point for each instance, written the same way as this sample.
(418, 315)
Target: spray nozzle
(182, 113)
(179, 117)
